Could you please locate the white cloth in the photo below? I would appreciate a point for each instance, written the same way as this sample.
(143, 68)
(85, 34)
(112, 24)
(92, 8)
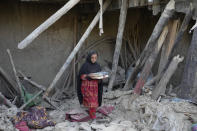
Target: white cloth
(101, 18)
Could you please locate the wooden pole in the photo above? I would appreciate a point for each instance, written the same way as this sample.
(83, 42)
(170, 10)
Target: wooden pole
(51, 20)
(122, 21)
(75, 41)
(163, 20)
(76, 49)
(149, 63)
(16, 76)
(161, 87)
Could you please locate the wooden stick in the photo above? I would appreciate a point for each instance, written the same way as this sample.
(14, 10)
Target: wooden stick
(122, 21)
(161, 87)
(163, 20)
(51, 20)
(76, 49)
(6, 101)
(15, 73)
(149, 63)
(32, 82)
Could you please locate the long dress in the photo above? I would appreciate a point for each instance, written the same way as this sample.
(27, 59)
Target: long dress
(89, 91)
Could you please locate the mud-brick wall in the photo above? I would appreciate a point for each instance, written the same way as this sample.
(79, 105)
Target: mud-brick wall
(43, 58)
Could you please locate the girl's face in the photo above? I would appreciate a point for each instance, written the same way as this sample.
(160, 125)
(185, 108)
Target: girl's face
(93, 58)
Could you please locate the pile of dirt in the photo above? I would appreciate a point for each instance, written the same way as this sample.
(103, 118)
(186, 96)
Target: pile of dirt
(143, 114)
(5, 115)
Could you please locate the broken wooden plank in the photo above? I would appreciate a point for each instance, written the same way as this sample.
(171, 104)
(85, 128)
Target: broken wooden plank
(163, 20)
(122, 21)
(5, 101)
(183, 28)
(51, 20)
(149, 63)
(168, 45)
(76, 49)
(16, 76)
(161, 87)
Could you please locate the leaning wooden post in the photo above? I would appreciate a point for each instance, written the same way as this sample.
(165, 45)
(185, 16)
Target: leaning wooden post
(51, 20)
(179, 37)
(122, 21)
(76, 49)
(161, 87)
(163, 20)
(16, 76)
(149, 63)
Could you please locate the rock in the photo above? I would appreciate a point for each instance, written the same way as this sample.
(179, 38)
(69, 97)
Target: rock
(67, 126)
(85, 126)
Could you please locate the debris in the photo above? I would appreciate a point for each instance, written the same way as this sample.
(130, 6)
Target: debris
(5, 101)
(5, 115)
(161, 87)
(163, 20)
(150, 61)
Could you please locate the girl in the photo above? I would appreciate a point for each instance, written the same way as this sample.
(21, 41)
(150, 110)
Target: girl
(90, 90)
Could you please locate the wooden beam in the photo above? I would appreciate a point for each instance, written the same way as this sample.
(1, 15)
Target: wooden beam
(149, 63)
(163, 20)
(16, 76)
(122, 21)
(168, 45)
(161, 87)
(76, 49)
(51, 20)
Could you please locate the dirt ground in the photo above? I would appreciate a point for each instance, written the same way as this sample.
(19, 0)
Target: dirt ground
(144, 114)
